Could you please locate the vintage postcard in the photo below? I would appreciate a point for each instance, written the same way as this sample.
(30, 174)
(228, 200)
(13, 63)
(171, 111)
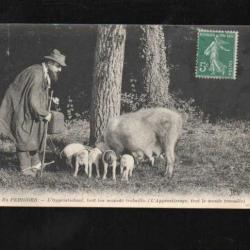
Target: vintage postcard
(147, 116)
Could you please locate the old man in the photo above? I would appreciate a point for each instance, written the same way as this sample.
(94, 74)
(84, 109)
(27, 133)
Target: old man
(24, 109)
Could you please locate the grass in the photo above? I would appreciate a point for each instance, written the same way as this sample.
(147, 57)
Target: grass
(211, 158)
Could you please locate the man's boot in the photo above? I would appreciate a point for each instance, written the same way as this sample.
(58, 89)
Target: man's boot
(28, 171)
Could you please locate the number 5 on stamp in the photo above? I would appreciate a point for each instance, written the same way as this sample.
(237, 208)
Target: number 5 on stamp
(216, 55)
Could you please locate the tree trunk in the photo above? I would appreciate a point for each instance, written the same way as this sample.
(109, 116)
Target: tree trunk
(156, 71)
(106, 92)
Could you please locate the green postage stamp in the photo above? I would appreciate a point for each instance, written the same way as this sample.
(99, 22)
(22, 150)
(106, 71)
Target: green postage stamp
(216, 55)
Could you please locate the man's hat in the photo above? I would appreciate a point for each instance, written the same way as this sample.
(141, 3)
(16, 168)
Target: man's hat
(56, 56)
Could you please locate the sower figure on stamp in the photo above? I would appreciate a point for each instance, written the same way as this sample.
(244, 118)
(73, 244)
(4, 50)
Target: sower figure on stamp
(24, 110)
(213, 51)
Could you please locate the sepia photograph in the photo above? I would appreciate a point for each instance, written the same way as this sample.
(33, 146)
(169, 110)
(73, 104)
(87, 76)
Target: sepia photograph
(153, 116)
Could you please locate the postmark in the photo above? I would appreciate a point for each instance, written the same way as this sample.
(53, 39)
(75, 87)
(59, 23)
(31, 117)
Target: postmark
(217, 54)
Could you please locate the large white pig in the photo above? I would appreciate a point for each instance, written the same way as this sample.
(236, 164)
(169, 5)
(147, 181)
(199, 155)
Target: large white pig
(150, 131)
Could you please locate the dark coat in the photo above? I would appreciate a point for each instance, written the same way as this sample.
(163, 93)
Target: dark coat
(24, 107)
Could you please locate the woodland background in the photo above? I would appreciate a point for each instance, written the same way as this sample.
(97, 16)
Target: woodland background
(213, 150)
(23, 45)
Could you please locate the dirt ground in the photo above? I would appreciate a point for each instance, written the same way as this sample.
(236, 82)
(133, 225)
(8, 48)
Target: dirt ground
(210, 158)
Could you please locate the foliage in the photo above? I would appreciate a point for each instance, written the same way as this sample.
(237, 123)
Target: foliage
(6, 144)
(132, 101)
(72, 116)
(69, 109)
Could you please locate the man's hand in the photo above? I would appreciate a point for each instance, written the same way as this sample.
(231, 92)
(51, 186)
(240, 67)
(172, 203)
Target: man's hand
(48, 117)
(55, 100)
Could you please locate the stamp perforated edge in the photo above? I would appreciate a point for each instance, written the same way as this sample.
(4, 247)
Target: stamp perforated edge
(235, 54)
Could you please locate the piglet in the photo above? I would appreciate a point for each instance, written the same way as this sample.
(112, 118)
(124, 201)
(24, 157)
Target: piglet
(95, 155)
(127, 165)
(76, 155)
(109, 158)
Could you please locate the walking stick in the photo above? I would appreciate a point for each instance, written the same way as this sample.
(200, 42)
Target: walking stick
(45, 136)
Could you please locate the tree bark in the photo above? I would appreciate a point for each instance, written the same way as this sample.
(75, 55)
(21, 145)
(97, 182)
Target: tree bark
(156, 71)
(106, 92)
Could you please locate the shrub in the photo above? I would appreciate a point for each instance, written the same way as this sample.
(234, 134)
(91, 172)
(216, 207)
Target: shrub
(69, 109)
(72, 116)
(133, 101)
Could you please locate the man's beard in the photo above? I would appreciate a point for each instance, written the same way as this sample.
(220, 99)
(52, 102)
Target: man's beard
(53, 75)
